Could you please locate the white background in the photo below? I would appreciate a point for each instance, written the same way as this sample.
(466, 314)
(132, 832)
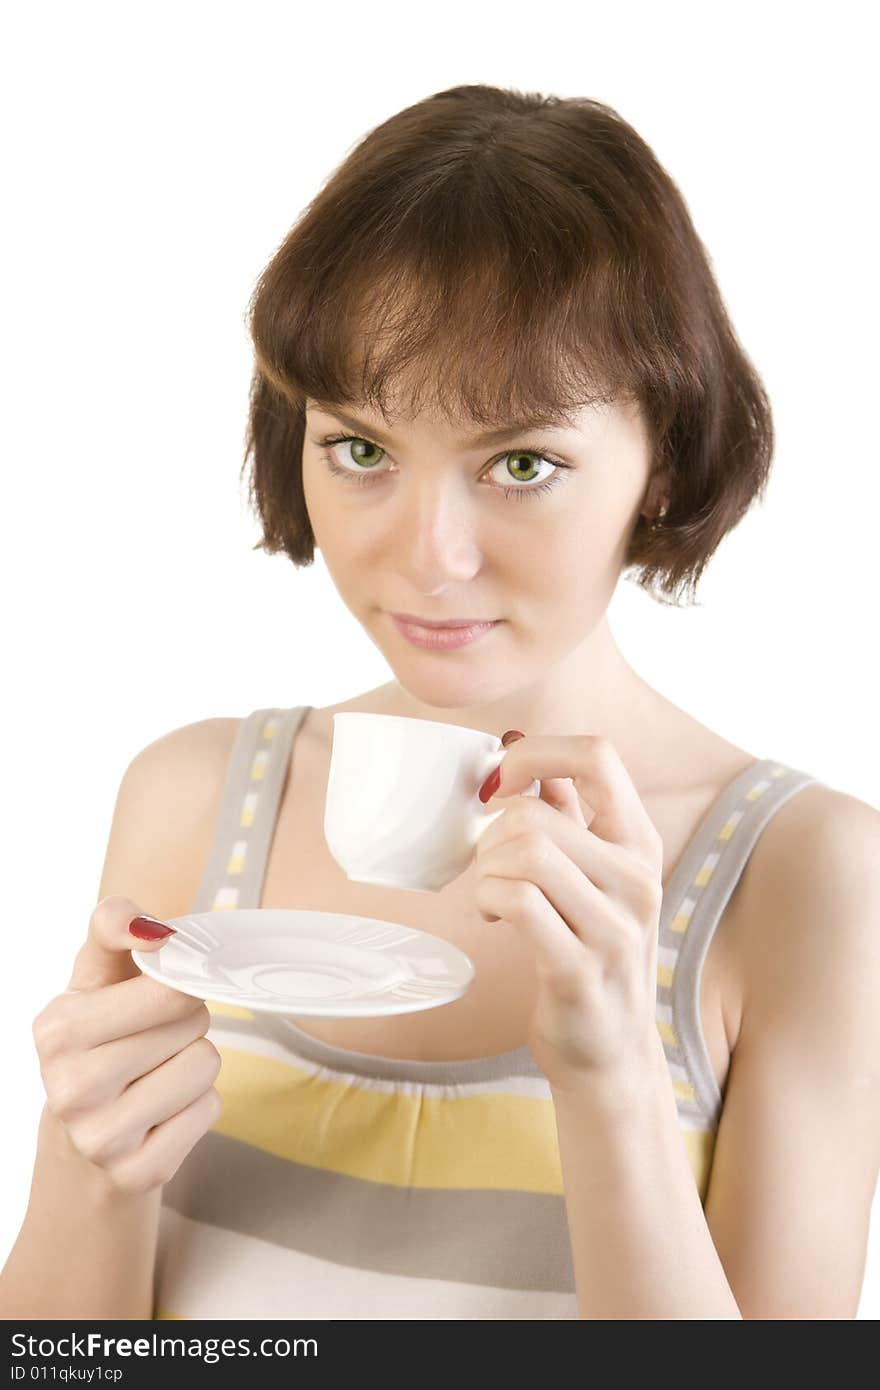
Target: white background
(155, 157)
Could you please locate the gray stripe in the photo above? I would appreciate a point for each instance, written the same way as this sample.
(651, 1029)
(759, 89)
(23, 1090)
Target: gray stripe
(226, 828)
(270, 789)
(711, 900)
(258, 836)
(282, 1030)
(701, 842)
(504, 1239)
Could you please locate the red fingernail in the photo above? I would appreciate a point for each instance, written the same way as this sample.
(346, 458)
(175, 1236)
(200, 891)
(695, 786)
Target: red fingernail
(511, 736)
(491, 785)
(149, 928)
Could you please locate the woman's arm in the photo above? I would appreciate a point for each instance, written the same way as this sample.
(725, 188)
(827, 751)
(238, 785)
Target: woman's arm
(783, 1233)
(641, 1247)
(86, 1249)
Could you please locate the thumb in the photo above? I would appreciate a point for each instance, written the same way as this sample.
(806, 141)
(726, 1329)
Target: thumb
(105, 957)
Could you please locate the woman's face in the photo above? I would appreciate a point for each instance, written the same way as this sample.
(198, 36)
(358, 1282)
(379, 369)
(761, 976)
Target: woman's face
(426, 520)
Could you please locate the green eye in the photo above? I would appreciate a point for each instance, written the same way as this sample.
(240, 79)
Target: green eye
(363, 445)
(363, 453)
(514, 469)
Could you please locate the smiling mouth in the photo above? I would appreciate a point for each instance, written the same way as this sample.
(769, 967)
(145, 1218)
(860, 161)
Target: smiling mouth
(446, 623)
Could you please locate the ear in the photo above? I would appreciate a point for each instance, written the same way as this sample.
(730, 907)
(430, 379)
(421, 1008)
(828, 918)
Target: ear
(656, 498)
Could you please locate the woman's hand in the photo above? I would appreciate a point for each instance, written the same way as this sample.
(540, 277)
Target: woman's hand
(579, 871)
(126, 1066)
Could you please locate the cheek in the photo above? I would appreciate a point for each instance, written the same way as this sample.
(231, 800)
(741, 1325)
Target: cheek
(563, 559)
(332, 528)
(566, 581)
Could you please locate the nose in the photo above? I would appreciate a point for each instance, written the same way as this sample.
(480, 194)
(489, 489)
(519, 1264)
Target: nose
(435, 541)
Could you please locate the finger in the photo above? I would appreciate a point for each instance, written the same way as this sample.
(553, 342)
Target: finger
(524, 906)
(167, 1145)
(77, 1022)
(579, 905)
(105, 958)
(159, 1095)
(558, 792)
(600, 779)
(121, 1126)
(131, 1057)
(94, 1078)
(611, 869)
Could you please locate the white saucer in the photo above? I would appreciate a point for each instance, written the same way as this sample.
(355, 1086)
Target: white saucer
(314, 964)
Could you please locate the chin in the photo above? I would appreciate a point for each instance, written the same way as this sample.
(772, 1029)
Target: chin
(452, 690)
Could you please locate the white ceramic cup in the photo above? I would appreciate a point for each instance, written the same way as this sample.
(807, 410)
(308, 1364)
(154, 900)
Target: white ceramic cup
(402, 807)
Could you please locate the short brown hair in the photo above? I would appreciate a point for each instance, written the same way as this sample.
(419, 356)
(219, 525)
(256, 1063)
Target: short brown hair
(513, 256)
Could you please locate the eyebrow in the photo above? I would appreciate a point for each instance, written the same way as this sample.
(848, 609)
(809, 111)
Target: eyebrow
(475, 442)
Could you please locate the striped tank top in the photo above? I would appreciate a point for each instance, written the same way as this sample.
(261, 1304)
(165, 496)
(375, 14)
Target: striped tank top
(340, 1184)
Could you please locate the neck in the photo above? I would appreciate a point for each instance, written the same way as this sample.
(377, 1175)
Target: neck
(592, 690)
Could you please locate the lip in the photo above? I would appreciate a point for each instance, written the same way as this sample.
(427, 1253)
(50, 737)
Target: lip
(441, 638)
(414, 620)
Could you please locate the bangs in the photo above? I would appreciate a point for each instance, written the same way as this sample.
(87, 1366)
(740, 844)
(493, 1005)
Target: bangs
(458, 306)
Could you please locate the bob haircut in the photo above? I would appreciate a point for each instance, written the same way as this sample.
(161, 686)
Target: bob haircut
(511, 257)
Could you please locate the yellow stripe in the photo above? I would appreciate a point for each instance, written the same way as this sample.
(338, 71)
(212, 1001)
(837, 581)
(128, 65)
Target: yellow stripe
(727, 830)
(700, 1145)
(680, 922)
(755, 793)
(247, 817)
(684, 1090)
(406, 1139)
(484, 1141)
(667, 1032)
(704, 875)
(227, 1010)
(664, 975)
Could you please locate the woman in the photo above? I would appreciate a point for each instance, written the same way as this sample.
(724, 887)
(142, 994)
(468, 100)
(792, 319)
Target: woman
(654, 1101)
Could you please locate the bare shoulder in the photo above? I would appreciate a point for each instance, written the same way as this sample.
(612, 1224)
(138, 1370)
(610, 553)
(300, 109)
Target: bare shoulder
(205, 738)
(810, 893)
(164, 817)
(800, 1128)
(816, 837)
(185, 768)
